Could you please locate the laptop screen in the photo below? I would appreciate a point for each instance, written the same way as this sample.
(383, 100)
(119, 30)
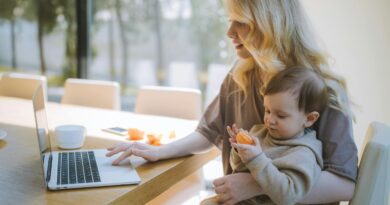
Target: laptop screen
(42, 128)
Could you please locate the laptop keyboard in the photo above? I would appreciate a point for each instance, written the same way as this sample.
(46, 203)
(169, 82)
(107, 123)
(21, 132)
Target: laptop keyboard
(77, 167)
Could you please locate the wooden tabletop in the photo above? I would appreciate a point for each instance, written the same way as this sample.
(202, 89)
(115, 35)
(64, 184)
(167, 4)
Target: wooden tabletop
(21, 180)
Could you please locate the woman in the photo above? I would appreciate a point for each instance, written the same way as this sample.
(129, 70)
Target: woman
(269, 36)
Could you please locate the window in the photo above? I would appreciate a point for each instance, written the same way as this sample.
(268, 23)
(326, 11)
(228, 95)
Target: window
(134, 42)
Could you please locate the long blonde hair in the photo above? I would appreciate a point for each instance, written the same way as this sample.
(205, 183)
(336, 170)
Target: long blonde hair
(280, 37)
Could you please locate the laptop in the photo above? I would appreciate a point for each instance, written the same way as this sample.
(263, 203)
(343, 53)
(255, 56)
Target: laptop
(73, 169)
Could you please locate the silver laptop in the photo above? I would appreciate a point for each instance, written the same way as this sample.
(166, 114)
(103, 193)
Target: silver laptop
(76, 168)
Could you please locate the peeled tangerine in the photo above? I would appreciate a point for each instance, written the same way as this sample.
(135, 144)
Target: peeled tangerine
(154, 139)
(243, 138)
(172, 134)
(135, 134)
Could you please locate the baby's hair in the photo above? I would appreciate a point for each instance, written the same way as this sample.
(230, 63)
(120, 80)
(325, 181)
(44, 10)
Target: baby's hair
(309, 88)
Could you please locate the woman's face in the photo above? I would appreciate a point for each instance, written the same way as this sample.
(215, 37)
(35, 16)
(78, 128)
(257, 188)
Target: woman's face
(237, 32)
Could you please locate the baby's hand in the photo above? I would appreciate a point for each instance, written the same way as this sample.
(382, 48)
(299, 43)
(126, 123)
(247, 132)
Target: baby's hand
(232, 131)
(247, 151)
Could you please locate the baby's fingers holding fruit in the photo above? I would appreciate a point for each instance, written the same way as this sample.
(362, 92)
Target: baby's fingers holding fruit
(231, 133)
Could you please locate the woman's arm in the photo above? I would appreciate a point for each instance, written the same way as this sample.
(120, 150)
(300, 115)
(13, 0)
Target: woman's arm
(191, 144)
(242, 186)
(330, 188)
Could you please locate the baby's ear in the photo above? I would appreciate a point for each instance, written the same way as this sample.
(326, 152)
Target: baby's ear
(311, 118)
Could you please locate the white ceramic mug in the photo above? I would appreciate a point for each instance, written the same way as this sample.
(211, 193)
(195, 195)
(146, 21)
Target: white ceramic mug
(70, 136)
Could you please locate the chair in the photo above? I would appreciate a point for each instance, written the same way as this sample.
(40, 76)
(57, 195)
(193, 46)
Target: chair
(169, 101)
(21, 85)
(173, 102)
(373, 183)
(92, 93)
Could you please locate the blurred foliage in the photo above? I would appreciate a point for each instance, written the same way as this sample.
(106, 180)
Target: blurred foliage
(9, 9)
(208, 30)
(138, 21)
(10, 12)
(4, 69)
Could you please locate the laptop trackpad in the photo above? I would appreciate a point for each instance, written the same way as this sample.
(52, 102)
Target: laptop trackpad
(124, 173)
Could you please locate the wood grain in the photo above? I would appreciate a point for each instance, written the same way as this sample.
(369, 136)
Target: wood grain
(21, 179)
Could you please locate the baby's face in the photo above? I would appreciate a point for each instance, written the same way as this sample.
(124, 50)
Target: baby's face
(282, 117)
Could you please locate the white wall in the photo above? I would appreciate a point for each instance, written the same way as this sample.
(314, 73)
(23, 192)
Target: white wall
(357, 35)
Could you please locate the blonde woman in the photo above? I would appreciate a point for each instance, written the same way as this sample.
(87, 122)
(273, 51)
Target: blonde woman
(269, 36)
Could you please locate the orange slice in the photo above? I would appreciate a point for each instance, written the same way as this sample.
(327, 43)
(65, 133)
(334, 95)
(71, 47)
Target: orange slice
(243, 138)
(135, 134)
(154, 139)
(172, 134)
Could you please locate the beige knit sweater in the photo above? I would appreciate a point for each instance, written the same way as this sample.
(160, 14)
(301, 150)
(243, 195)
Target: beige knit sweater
(287, 169)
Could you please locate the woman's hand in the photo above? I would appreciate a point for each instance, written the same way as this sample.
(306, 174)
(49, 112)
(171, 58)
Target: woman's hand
(146, 151)
(190, 144)
(234, 188)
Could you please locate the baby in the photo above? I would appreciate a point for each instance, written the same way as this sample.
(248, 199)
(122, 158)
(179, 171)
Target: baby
(283, 154)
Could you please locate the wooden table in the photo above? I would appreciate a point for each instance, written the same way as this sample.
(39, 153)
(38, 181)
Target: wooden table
(21, 180)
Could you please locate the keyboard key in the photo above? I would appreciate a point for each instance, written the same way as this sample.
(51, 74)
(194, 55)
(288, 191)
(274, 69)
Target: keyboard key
(79, 168)
(87, 167)
(72, 169)
(94, 167)
(64, 170)
(59, 169)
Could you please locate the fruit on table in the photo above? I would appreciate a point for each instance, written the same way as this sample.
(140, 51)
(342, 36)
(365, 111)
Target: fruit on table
(135, 134)
(244, 138)
(154, 139)
(172, 134)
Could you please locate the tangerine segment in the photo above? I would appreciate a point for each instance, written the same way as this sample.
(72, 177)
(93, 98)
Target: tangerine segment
(172, 134)
(243, 138)
(154, 139)
(135, 134)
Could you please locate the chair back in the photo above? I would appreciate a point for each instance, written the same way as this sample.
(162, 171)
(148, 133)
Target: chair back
(183, 103)
(92, 93)
(21, 85)
(373, 183)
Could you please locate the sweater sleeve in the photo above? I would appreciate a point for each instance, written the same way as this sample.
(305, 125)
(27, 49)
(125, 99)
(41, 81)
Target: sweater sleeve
(236, 163)
(212, 123)
(288, 179)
